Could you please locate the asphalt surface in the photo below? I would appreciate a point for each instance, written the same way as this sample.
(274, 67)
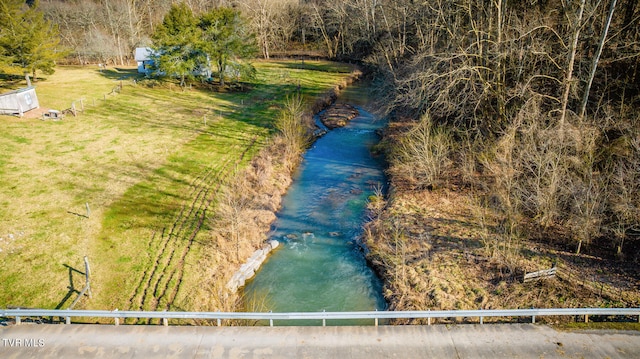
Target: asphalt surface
(437, 341)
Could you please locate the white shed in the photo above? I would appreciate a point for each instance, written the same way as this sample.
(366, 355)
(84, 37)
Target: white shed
(18, 102)
(144, 59)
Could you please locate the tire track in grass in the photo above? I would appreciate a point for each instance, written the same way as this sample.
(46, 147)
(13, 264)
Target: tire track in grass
(159, 286)
(141, 282)
(180, 273)
(161, 264)
(200, 205)
(206, 204)
(179, 270)
(174, 249)
(143, 285)
(184, 221)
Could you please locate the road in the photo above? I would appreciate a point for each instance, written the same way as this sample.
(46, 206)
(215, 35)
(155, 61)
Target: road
(437, 341)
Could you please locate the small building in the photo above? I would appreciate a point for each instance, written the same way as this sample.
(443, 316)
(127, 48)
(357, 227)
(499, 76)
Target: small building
(144, 59)
(18, 102)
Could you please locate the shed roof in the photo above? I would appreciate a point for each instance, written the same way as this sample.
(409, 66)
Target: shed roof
(143, 53)
(24, 89)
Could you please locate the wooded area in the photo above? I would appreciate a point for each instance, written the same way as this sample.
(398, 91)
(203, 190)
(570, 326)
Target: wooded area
(539, 99)
(531, 105)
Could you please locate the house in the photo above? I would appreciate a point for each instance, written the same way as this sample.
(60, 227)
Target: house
(146, 63)
(144, 59)
(18, 102)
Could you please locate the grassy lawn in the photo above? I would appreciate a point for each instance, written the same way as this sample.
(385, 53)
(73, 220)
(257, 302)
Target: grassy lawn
(146, 162)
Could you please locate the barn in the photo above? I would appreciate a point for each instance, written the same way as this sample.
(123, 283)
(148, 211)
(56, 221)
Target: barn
(18, 102)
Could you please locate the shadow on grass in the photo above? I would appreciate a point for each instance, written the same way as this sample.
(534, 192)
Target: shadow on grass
(11, 82)
(315, 66)
(71, 287)
(120, 73)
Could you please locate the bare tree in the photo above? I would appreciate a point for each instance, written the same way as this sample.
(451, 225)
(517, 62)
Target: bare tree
(422, 155)
(624, 200)
(271, 21)
(596, 59)
(575, 27)
(290, 124)
(587, 187)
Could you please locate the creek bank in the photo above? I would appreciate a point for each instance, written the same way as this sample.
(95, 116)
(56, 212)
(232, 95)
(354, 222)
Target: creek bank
(269, 177)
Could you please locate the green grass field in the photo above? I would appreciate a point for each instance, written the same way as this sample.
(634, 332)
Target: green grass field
(147, 162)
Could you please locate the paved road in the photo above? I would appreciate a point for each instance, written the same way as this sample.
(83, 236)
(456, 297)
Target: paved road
(437, 341)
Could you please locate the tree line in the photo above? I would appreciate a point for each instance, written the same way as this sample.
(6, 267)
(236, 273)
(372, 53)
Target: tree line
(107, 31)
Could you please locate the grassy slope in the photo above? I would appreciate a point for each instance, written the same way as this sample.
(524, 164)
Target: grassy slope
(147, 165)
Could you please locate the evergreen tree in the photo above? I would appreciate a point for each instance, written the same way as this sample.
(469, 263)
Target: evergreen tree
(176, 41)
(226, 40)
(185, 44)
(28, 41)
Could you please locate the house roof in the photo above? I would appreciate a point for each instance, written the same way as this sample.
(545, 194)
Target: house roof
(24, 89)
(143, 53)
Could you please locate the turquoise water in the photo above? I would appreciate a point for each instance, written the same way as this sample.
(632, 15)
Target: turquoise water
(319, 264)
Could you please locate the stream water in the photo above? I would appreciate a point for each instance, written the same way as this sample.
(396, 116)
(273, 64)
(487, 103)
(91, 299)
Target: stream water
(319, 264)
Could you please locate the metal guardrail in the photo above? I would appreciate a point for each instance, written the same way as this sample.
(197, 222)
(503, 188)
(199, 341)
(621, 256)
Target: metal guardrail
(18, 314)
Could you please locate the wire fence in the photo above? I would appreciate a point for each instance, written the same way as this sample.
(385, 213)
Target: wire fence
(78, 106)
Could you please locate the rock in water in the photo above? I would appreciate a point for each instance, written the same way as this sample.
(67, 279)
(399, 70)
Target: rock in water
(338, 115)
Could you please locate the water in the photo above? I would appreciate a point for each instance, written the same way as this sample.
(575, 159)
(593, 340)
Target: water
(319, 265)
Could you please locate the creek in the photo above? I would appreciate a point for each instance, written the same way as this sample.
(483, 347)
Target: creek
(320, 264)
